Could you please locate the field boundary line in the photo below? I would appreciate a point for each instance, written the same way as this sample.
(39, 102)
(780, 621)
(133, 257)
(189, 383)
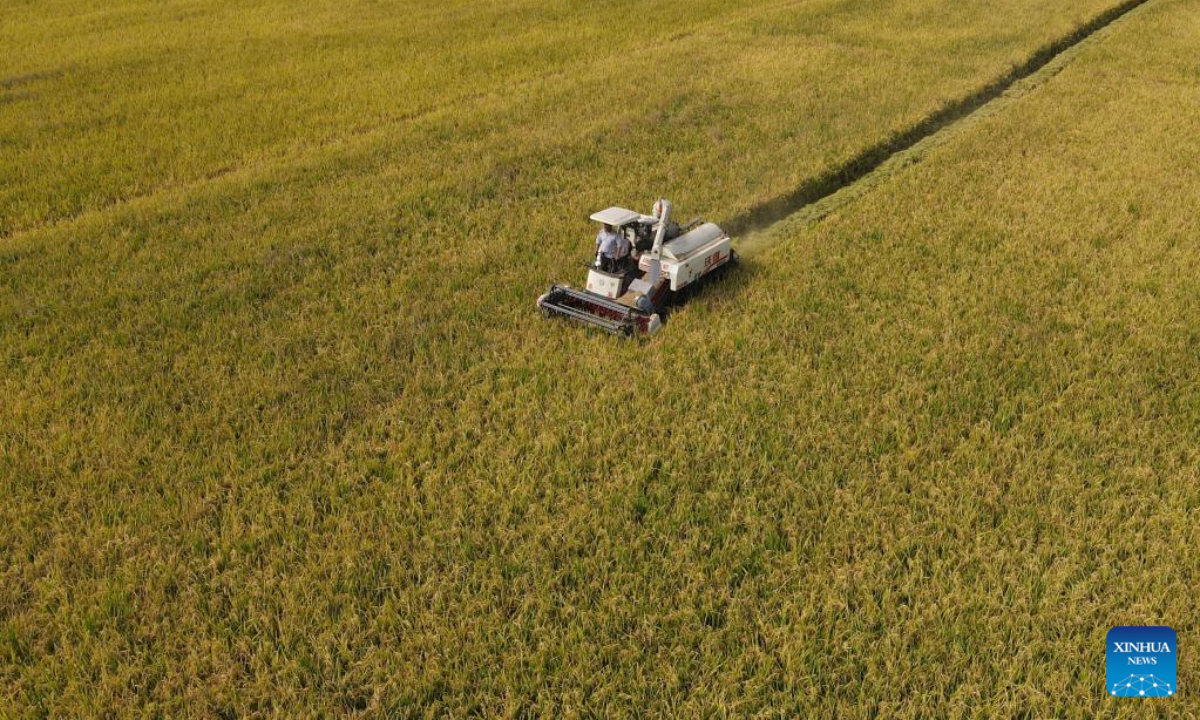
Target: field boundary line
(824, 194)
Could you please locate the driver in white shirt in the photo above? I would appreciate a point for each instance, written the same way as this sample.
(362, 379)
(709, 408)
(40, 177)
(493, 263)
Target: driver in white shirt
(612, 248)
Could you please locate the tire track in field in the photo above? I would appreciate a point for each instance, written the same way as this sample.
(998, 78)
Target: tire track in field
(816, 198)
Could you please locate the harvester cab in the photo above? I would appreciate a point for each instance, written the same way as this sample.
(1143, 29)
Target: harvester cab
(629, 295)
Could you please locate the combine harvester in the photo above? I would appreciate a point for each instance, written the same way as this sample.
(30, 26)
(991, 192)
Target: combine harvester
(665, 260)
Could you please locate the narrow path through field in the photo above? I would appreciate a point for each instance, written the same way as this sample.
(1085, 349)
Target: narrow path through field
(763, 225)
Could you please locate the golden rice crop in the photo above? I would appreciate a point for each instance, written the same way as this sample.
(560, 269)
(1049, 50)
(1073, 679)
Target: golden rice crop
(282, 435)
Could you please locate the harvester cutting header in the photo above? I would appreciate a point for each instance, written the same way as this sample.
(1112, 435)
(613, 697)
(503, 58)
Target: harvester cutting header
(642, 263)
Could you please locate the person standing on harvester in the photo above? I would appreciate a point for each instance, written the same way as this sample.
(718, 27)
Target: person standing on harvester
(611, 249)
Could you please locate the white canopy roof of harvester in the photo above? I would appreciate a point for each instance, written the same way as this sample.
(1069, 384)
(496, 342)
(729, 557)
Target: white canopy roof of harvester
(616, 216)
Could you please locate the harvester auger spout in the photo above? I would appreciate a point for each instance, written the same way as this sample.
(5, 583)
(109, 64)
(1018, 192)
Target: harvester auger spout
(642, 262)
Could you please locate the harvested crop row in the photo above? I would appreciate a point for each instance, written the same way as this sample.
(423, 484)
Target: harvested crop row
(906, 145)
